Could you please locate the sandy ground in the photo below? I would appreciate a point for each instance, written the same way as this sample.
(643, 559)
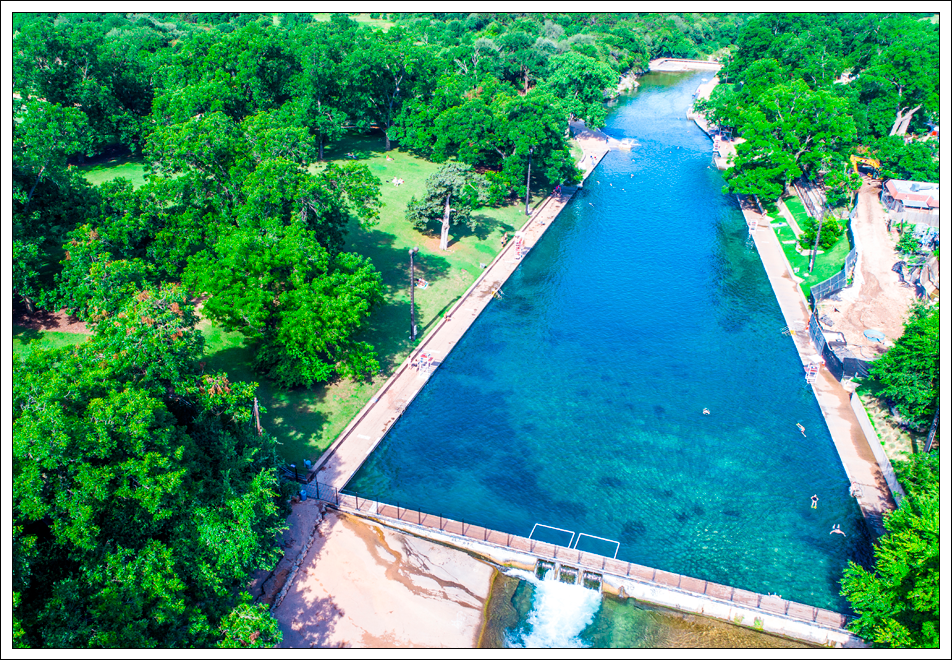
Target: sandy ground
(367, 586)
(876, 300)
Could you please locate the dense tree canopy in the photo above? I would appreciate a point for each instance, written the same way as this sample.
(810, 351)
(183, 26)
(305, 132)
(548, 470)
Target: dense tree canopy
(909, 371)
(898, 602)
(789, 131)
(873, 71)
(141, 495)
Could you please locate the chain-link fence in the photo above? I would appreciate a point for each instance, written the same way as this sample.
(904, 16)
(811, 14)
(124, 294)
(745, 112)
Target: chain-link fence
(839, 359)
(838, 282)
(841, 280)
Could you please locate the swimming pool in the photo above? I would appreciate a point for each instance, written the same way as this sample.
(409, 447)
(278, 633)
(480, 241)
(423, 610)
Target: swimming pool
(575, 400)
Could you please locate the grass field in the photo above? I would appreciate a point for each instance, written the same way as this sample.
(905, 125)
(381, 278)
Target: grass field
(127, 167)
(25, 340)
(798, 211)
(305, 422)
(827, 263)
(360, 18)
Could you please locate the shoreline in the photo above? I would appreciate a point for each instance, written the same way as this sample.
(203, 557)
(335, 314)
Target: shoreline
(875, 497)
(337, 465)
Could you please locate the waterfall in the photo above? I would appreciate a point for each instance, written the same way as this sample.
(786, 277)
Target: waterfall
(560, 612)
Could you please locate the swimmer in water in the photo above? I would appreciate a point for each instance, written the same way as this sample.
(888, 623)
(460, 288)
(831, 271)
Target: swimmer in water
(802, 430)
(836, 530)
(705, 412)
(813, 501)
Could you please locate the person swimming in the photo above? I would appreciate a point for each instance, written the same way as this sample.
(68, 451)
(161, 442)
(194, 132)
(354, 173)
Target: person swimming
(813, 501)
(836, 530)
(705, 412)
(802, 430)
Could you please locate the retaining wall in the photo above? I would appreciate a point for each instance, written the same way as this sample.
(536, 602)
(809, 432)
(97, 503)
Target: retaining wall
(679, 592)
(873, 441)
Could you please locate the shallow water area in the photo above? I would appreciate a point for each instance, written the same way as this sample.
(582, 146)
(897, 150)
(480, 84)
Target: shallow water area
(575, 400)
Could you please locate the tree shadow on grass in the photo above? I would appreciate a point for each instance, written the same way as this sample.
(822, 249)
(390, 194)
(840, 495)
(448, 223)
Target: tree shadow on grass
(26, 335)
(361, 145)
(393, 262)
(486, 226)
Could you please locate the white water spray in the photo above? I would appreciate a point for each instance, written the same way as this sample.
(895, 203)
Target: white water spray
(560, 612)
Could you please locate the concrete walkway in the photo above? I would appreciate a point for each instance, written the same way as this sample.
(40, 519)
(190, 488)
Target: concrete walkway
(345, 456)
(875, 498)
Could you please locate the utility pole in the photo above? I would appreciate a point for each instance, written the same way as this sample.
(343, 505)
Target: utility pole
(413, 251)
(528, 175)
(935, 424)
(257, 419)
(816, 243)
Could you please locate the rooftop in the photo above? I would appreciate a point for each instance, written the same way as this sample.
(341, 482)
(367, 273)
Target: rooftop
(914, 193)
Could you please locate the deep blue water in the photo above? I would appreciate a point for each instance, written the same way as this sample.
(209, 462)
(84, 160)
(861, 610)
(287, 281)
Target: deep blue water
(575, 401)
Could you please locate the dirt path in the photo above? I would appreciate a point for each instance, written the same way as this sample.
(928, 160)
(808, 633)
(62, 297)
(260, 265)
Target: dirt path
(47, 321)
(876, 300)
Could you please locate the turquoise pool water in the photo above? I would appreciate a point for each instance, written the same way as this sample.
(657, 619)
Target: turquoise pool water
(575, 401)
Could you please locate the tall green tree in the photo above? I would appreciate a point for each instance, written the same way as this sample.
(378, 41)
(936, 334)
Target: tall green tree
(898, 602)
(909, 371)
(383, 71)
(45, 135)
(277, 284)
(319, 87)
(452, 192)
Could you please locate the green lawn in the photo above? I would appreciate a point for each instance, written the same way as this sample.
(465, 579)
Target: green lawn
(25, 339)
(798, 211)
(360, 18)
(127, 167)
(827, 263)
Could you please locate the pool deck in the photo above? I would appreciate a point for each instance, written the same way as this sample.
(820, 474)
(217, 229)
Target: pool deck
(875, 498)
(338, 464)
